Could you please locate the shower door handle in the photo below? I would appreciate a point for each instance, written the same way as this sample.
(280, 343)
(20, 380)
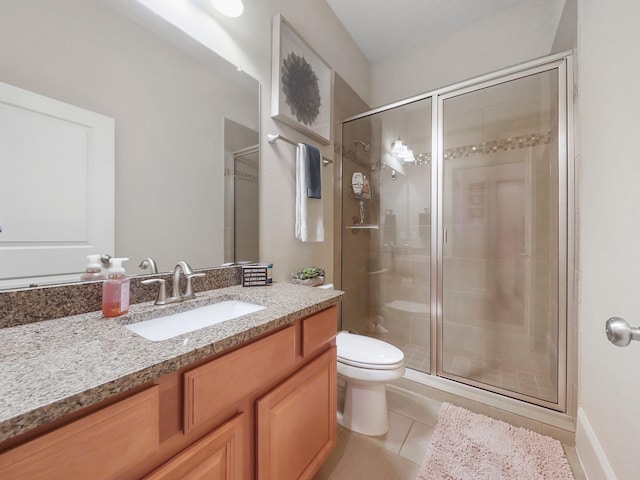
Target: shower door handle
(620, 333)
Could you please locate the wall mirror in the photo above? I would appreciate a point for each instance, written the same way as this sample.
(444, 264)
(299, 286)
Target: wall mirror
(184, 141)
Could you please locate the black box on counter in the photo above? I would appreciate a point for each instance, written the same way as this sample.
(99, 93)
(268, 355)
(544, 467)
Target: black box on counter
(257, 275)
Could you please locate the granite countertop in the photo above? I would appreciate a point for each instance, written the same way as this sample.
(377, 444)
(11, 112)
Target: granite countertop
(55, 367)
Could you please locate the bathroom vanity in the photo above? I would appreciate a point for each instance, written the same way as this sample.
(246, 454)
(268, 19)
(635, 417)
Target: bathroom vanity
(253, 397)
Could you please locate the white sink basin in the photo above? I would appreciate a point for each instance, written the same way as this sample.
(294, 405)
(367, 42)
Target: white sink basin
(163, 328)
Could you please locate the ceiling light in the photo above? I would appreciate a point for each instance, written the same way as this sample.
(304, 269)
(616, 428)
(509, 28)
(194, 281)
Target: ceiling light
(397, 147)
(408, 156)
(229, 8)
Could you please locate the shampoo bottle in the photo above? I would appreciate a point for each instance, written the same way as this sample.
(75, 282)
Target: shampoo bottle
(115, 290)
(94, 269)
(366, 188)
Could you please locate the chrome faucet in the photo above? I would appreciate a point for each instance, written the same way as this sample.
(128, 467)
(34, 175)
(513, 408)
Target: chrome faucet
(176, 295)
(149, 263)
(186, 270)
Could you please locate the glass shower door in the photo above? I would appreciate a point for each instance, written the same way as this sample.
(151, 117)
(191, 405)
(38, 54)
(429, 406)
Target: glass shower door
(386, 233)
(500, 242)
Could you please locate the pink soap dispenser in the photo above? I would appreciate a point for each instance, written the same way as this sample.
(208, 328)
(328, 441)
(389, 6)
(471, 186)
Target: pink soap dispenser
(115, 290)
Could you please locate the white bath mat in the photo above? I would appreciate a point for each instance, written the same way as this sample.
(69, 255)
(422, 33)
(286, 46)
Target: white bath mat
(469, 446)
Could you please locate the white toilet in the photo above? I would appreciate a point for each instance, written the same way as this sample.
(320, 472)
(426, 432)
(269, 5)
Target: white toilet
(366, 364)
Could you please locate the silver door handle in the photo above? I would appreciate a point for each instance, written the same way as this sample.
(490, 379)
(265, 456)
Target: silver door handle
(620, 333)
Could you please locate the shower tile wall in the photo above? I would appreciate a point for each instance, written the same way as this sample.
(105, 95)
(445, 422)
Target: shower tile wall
(347, 267)
(361, 302)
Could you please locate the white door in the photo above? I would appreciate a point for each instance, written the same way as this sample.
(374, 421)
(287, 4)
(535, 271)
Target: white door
(66, 155)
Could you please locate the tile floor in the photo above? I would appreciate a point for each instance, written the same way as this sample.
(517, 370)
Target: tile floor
(398, 454)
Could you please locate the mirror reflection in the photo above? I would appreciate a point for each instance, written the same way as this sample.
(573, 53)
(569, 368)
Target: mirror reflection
(184, 144)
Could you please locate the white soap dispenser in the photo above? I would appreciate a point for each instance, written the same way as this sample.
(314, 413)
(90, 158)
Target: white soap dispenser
(93, 270)
(115, 290)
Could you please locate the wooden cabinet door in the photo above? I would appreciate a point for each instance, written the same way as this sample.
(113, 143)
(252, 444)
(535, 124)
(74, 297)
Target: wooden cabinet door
(216, 456)
(296, 422)
(101, 446)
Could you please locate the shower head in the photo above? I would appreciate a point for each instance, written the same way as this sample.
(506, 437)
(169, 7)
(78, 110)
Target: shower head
(366, 146)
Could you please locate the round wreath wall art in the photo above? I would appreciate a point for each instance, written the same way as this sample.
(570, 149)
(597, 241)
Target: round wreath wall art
(300, 88)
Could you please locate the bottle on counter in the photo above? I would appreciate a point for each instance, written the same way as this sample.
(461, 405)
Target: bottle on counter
(115, 290)
(94, 269)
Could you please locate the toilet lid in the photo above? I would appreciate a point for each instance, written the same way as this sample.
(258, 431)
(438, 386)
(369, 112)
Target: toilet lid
(367, 352)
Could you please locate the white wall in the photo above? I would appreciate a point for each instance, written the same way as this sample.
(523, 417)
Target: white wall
(246, 41)
(608, 437)
(514, 35)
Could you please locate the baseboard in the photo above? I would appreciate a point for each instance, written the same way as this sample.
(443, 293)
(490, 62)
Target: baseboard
(591, 455)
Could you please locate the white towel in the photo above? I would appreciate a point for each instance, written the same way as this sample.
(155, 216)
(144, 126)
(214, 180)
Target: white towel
(309, 221)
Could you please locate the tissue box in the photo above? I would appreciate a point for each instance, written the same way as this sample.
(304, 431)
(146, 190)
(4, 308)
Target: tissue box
(257, 275)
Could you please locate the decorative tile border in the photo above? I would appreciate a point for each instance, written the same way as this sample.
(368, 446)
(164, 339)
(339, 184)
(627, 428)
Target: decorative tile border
(493, 146)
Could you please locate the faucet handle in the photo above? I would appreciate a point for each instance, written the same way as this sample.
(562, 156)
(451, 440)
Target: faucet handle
(188, 290)
(162, 291)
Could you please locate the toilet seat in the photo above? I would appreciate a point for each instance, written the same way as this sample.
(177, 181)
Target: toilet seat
(367, 352)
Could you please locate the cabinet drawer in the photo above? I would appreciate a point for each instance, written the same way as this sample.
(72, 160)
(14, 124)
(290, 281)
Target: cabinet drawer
(216, 456)
(318, 329)
(226, 380)
(101, 445)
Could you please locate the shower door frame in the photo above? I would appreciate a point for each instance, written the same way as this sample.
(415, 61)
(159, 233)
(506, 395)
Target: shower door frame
(563, 63)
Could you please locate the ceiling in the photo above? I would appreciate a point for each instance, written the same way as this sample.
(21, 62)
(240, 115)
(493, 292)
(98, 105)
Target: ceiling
(384, 27)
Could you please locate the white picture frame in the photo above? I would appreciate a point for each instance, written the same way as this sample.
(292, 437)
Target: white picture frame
(302, 84)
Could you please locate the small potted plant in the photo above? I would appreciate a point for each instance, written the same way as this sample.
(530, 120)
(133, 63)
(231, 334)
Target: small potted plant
(310, 276)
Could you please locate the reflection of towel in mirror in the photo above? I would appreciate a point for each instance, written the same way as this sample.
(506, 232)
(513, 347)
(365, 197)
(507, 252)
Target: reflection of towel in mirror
(309, 221)
(314, 179)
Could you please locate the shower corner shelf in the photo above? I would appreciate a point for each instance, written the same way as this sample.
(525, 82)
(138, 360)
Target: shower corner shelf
(358, 223)
(359, 197)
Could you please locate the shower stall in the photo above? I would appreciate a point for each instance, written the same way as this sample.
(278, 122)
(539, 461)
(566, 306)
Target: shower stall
(455, 230)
